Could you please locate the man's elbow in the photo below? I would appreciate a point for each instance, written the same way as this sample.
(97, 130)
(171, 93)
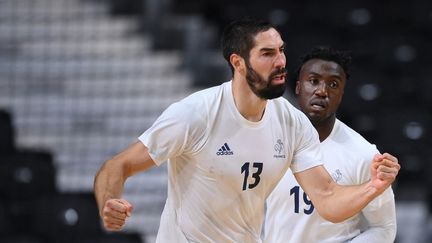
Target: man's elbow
(389, 232)
(384, 234)
(392, 234)
(332, 216)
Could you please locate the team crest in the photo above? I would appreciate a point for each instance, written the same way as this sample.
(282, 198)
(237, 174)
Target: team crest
(279, 148)
(337, 175)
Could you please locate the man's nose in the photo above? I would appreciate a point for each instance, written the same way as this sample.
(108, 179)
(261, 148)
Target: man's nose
(321, 89)
(280, 60)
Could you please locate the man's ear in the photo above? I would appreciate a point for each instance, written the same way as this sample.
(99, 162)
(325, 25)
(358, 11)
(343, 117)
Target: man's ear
(297, 88)
(237, 62)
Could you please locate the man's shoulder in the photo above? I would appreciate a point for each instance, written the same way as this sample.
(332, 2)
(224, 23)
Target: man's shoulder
(198, 106)
(347, 139)
(207, 93)
(283, 105)
(350, 134)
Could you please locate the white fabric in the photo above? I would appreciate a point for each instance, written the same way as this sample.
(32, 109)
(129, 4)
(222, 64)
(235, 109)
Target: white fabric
(210, 149)
(347, 157)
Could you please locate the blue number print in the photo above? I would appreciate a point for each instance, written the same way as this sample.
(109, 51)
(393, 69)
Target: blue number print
(255, 175)
(296, 191)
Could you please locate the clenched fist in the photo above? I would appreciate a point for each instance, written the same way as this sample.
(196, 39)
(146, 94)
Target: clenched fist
(384, 170)
(114, 213)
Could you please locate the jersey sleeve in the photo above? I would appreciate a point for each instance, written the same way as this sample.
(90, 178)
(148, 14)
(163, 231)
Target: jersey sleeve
(379, 220)
(174, 132)
(379, 216)
(369, 152)
(307, 152)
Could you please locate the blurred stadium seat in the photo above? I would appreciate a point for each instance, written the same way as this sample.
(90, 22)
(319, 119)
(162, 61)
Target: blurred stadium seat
(5, 225)
(7, 232)
(26, 175)
(66, 217)
(7, 138)
(23, 239)
(405, 131)
(114, 238)
(74, 218)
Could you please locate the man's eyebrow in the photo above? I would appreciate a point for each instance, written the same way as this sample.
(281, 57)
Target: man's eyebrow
(312, 73)
(264, 49)
(337, 76)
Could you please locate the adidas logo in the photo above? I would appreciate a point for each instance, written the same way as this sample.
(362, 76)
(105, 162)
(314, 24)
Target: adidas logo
(224, 150)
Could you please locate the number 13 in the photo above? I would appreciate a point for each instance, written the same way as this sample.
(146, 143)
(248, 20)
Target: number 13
(255, 175)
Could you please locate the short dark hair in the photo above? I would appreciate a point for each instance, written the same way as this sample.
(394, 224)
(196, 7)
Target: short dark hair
(238, 37)
(342, 58)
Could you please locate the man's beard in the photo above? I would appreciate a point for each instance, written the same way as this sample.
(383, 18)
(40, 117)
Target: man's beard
(264, 88)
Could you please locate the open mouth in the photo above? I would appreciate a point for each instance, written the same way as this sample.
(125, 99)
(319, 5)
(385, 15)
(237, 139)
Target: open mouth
(318, 104)
(279, 78)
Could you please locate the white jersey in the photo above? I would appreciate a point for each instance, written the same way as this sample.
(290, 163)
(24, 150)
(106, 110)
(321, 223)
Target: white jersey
(292, 218)
(222, 167)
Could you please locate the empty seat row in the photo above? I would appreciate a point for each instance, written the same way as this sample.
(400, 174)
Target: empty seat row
(33, 210)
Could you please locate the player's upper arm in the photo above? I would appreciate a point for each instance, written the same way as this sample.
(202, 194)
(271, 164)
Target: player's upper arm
(134, 159)
(316, 182)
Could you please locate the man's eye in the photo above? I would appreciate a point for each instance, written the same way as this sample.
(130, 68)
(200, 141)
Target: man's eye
(334, 84)
(313, 81)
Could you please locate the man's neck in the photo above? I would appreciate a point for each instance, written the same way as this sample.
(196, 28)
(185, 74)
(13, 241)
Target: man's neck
(324, 128)
(250, 106)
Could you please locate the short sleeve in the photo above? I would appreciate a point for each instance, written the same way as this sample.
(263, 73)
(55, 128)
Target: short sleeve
(307, 153)
(175, 132)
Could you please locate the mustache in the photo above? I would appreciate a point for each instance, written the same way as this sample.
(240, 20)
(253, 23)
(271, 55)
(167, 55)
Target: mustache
(319, 101)
(278, 72)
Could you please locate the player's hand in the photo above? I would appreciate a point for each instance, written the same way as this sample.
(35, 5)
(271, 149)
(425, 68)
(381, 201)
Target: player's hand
(114, 214)
(384, 170)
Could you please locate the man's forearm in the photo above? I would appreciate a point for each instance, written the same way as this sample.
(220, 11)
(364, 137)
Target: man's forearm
(109, 182)
(334, 202)
(342, 202)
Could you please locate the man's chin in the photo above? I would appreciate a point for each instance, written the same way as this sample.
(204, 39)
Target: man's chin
(275, 93)
(315, 117)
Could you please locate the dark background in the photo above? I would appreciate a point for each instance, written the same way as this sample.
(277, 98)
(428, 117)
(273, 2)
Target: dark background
(82, 79)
